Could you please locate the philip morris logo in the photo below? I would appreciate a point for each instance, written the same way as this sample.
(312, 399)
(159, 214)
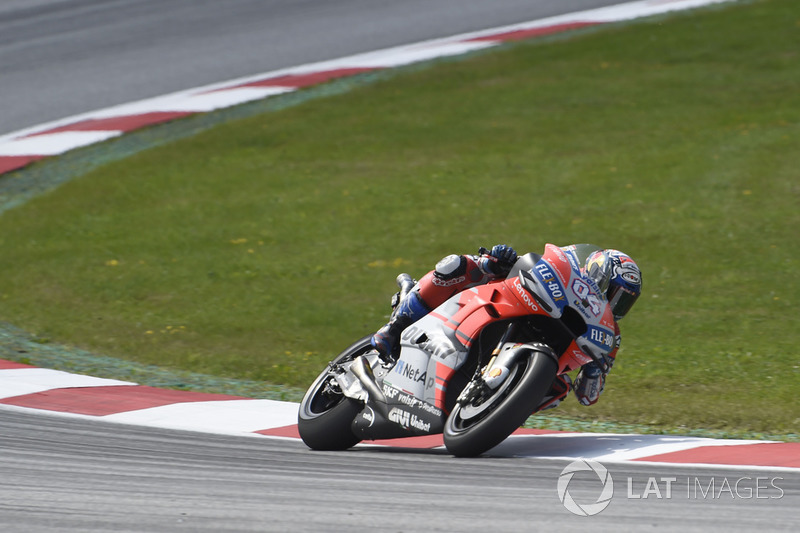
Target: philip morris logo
(605, 487)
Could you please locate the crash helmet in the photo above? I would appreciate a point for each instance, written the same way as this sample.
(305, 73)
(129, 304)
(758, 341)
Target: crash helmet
(618, 276)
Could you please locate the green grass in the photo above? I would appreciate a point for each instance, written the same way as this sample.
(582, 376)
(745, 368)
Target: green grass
(260, 248)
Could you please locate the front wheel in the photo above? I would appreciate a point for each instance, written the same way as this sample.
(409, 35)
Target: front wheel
(483, 423)
(325, 413)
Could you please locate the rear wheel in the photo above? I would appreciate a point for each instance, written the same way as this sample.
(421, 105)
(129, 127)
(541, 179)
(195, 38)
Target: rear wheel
(325, 413)
(485, 421)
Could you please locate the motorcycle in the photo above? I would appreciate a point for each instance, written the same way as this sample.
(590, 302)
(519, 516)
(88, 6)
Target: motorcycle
(475, 368)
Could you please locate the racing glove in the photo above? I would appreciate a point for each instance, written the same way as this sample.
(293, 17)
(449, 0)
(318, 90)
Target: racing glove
(498, 260)
(589, 384)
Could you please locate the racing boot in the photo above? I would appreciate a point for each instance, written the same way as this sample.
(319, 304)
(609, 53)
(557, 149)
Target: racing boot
(559, 390)
(387, 339)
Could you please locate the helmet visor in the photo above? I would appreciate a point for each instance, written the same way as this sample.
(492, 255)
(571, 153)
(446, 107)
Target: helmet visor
(621, 301)
(599, 267)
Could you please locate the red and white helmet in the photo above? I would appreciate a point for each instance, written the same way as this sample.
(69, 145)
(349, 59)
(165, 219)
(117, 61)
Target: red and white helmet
(618, 276)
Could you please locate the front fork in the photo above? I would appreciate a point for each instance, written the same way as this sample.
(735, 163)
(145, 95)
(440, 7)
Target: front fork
(490, 377)
(499, 366)
(497, 370)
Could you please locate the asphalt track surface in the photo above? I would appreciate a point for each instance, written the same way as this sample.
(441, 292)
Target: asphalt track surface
(62, 474)
(62, 57)
(59, 58)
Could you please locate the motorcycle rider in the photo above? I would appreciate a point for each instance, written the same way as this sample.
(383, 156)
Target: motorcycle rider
(615, 273)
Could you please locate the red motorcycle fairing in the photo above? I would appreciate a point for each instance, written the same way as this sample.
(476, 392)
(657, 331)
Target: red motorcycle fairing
(436, 346)
(566, 289)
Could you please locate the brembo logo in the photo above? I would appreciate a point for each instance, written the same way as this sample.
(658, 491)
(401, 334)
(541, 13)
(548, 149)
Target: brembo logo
(524, 295)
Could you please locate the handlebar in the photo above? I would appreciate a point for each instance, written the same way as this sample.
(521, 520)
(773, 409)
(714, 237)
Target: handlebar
(406, 283)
